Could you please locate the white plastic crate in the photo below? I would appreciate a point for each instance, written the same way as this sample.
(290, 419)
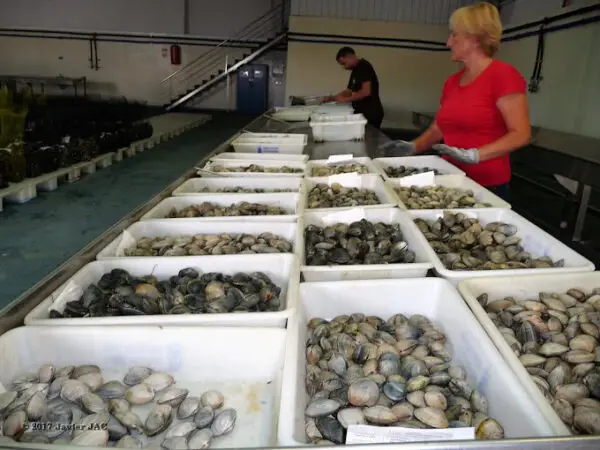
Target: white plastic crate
(235, 156)
(270, 143)
(333, 109)
(364, 160)
(364, 271)
(207, 171)
(385, 194)
(457, 181)
(534, 240)
(292, 203)
(281, 268)
(193, 186)
(523, 288)
(348, 127)
(429, 161)
(157, 228)
(438, 300)
(293, 113)
(244, 364)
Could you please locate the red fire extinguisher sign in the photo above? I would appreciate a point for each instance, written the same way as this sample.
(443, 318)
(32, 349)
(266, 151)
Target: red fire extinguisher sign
(175, 55)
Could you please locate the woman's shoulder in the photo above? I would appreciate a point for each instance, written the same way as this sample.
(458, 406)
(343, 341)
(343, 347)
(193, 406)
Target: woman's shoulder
(502, 68)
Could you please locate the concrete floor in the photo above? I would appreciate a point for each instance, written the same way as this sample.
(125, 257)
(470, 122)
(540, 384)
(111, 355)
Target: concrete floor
(38, 236)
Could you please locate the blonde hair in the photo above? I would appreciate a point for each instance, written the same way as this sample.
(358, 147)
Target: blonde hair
(481, 20)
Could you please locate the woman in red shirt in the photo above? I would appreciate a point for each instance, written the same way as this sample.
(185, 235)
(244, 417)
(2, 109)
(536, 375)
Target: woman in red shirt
(483, 114)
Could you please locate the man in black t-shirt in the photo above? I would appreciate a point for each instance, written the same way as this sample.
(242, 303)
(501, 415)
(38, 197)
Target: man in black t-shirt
(363, 87)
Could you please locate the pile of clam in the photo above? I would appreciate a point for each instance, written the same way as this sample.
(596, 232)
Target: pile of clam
(338, 168)
(241, 190)
(209, 209)
(438, 197)
(76, 405)
(338, 196)
(255, 168)
(366, 370)
(462, 243)
(209, 244)
(555, 336)
(361, 242)
(405, 171)
(118, 293)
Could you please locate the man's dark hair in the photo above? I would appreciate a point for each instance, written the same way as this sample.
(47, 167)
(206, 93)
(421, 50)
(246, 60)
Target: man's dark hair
(345, 51)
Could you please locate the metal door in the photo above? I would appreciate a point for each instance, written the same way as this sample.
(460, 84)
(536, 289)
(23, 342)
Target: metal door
(253, 89)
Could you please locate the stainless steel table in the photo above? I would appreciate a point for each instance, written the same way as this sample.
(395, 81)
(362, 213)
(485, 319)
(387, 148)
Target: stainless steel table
(12, 316)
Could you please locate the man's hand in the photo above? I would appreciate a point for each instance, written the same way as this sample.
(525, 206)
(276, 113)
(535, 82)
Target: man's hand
(464, 155)
(327, 99)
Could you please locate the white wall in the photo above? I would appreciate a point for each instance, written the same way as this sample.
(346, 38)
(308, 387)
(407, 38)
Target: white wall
(523, 11)
(131, 70)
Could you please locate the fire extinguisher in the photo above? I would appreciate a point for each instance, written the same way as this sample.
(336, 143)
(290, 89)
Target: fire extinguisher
(175, 55)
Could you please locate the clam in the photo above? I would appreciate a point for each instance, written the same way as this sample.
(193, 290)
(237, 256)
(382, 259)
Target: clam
(208, 209)
(335, 196)
(200, 439)
(438, 197)
(158, 420)
(405, 171)
(213, 399)
(140, 394)
(188, 407)
(224, 422)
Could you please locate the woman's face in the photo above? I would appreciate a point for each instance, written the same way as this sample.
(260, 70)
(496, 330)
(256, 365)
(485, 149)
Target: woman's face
(461, 45)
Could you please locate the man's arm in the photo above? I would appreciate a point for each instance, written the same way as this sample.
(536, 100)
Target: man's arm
(364, 92)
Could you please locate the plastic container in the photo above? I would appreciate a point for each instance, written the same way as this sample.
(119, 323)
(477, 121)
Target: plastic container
(429, 161)
(270, 143)
(207, 170)
(457, 181)
(522, 288)
(281, 268)
(193, 186)
(347, 127)
(244, 364)
(534, 240)
(333, 109)
(292, 203)
(385, 194)
(234, 156)
(439, 301)
(364, 271)
(156, 228)
(293, 113)
(365, 161)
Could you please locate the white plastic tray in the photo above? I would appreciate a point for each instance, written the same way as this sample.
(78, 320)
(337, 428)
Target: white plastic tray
(534, 240)
(244, 364)
(193, 186)
(293, 113)
(439, 301)
(364, 272)
(292, 203)
(522, 288)
(207, 170)
(281, 268)
(430, 161)
(236, 156)
(156, 228)
(365, 161)
(270, 143)
(461, 182)
(346, 127)
(386, 195)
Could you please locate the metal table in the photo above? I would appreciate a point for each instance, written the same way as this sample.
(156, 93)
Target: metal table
(12, 316)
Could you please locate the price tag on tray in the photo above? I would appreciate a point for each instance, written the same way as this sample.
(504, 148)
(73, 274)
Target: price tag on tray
(419, 179)
(367, 434)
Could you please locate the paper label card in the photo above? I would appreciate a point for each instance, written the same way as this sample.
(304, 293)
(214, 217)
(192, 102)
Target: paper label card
(352, 179)
(419, 179)
(335, 159)
(367, 434)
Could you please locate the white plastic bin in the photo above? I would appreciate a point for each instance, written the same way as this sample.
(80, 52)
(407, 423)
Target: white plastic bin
(270, 143)
(364, 160)
(292, 203)
(244, 364)
(534, 240)
(522, 288)
(438, 300)
(384, 193)
(333, 109)
(429, 161)
(158, 228)
(236, 156)
(364, 271)
(194, 186)
(207, 170)
(457, 181)
(348, 127)
(281, 268)
(293, 113)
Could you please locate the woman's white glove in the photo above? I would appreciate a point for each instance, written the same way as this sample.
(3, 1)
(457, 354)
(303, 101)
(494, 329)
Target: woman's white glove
(464, 155)
(400, 148)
